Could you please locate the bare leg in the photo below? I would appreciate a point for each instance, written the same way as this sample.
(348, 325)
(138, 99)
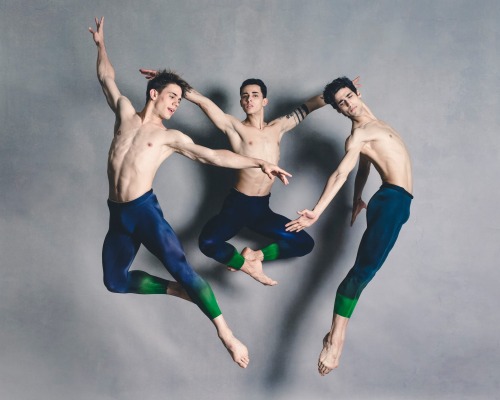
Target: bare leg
(333, 342)
(253, 267)
(236, 349)
(176, 289)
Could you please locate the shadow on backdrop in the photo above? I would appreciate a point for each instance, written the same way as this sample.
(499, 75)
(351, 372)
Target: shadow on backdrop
(312, 154)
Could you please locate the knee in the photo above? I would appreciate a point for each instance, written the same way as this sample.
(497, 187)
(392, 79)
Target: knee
(207, 246)
(308, 245)
(304, 244)
(115, 286)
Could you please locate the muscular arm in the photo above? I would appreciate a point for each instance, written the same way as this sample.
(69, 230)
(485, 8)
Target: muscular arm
(290, 121)
(359, 183)
(221, 120)
(105, 71)
(225, 158)
(361, 177)
(333, 185)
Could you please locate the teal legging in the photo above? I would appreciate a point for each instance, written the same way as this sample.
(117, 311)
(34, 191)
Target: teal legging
(387, 211)
(141, 221)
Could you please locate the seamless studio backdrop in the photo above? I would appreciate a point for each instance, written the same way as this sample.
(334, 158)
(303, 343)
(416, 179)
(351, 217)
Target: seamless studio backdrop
(427, 325)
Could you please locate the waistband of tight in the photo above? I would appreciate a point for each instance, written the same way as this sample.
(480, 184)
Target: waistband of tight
(396, 187)
(238, 193)
(131, 203)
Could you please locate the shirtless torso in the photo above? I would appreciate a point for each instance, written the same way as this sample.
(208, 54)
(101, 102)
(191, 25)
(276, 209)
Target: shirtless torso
(248, 203)
(371, 142)
(139, 146)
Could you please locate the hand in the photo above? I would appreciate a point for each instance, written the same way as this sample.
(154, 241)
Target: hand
(355, 82)
(307, 218)
(273, 170)
(357, 206)
(148, 73)
(98, 34)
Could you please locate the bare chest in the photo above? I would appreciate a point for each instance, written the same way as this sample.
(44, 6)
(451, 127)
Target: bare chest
(260, 144)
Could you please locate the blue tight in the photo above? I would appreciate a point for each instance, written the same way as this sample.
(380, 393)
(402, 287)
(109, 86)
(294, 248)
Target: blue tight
(387, 211)
(141, 221)
(253, 212)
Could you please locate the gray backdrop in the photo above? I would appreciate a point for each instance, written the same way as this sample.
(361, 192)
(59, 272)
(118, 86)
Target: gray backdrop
(427, 325)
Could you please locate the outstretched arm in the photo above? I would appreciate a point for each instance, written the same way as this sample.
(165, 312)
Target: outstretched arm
(290, 121)
(219, 118)
(359, 183)
(105, 71)
(225, 158)
(333, 185)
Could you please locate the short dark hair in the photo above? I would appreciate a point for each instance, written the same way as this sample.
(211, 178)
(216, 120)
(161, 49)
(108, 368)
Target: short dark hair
(164, 78)
(333, 87)
(254, 81)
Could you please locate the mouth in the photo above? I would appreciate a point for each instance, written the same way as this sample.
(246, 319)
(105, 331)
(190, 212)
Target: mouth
(172, 110)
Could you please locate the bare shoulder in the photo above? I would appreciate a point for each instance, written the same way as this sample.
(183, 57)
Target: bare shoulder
(125, 107)
(174, 136)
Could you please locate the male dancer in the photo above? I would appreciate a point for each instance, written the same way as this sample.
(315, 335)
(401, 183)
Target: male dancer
(373, 142)
(140, 144)
(247, 205)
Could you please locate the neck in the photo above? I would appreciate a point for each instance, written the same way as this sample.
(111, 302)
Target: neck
(365, 117)
(148, 115)
(256, 120)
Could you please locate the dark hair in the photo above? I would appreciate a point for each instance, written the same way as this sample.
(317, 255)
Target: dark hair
(333, 87)
(254, 81)
(164, 78)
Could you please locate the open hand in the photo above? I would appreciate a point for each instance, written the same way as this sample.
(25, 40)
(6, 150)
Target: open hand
(148, 73)
(306, 219)
(273, 170)
(98, 34)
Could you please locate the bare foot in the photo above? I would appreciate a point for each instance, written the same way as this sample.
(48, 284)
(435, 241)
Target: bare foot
(250, 254)
(176, 289)
(237, 350)
(330, 355)
(254, 269)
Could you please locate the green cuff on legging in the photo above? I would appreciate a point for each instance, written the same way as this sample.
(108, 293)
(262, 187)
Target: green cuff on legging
(236, 260)
(271, 252)
(344, 306)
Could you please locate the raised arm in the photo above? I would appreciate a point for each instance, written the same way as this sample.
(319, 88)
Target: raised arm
(333, 185)
(290, 121)
(105, 71)
(225, 122)
(359, 183)
(224, 158)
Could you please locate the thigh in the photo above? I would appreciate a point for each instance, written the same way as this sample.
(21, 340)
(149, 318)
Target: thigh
(118, 253)
(225, 225)
(271, 224)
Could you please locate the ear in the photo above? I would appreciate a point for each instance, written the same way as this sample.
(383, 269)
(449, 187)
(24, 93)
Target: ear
(358, 93)
(153, 93)
(264, 102)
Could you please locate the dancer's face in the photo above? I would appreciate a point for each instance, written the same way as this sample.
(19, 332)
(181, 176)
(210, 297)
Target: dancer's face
(349, 103)
(168, 100)
(251, 99)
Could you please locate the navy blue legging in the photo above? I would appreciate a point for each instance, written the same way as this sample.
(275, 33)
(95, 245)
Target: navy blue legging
(387, 211)
(141, 221)
(252, 212)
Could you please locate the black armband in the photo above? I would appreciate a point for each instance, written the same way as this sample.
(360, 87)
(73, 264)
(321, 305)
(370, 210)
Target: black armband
(300, 113)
